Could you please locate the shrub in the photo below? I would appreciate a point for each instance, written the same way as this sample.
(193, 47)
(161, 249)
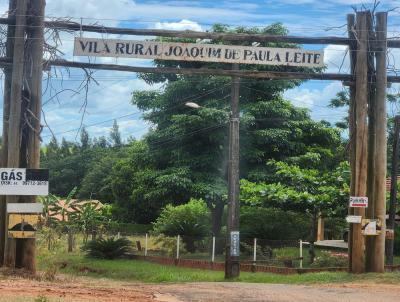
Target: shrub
(168, 245)
(191, 221)
(327, 259)
(109, 248)
(272, 224)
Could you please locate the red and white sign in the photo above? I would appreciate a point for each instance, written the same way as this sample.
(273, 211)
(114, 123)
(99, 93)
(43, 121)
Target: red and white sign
(358, 202)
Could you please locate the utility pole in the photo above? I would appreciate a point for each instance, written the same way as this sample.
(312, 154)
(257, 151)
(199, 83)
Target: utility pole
(378, 262)
(372, 112)
(360, 140)
(23, 114)
(232, 264)
(6, 115)
(14, 129)
(352, 124)
(393, 189)
(30, 153)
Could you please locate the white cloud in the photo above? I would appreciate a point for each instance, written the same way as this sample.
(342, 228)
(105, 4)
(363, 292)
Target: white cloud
(306, 97)
(109, 100)
(124, 10)
(181, 25)
(317, 100)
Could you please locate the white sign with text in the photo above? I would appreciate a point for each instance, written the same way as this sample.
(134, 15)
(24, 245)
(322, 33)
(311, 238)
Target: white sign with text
(20, 181)
(358, 202)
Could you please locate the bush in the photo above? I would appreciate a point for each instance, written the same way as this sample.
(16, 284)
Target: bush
(327, 259)
(109, 248)
(168, 245)
(273, 224)
(191, 221)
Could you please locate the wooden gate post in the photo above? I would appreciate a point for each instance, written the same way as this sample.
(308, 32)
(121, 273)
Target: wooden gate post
(361, 135)
(369, 211)
(6, 114)
(33, 91)
(352, 125)
(14, 129)
(378, 261)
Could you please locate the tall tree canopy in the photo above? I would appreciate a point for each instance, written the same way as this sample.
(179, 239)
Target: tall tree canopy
(188, 147)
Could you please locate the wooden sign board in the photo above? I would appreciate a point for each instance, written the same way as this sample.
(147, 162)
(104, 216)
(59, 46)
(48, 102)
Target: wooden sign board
(353, 219)
(371, 227)
(19, 181)
(25, 208)
(98, 47)
(22, 225)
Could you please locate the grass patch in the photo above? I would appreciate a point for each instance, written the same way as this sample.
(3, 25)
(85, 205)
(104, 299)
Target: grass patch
(134, 270)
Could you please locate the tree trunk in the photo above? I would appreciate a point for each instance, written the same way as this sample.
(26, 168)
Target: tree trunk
(70, 241)
(217, 212)
(94, 233)
(189, 243)
(311, 250)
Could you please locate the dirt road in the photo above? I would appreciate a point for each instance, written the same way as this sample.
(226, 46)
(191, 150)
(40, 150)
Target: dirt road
(241, 292)
(85, 290)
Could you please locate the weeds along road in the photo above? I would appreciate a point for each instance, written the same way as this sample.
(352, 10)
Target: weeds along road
(83, 289)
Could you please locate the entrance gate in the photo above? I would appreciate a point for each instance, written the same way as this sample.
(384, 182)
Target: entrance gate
(367, 81)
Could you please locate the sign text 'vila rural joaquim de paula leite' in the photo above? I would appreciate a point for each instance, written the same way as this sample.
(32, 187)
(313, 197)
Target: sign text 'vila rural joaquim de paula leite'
(197, 52)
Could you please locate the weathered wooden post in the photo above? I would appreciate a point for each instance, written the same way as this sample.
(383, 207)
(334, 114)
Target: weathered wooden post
(14, 129)
(378, 261)
(361, 138)
(6, 114)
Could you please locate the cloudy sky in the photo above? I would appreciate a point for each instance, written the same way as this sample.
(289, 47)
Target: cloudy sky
(110, 99)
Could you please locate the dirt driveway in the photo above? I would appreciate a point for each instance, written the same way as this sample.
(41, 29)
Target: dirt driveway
(85, 289)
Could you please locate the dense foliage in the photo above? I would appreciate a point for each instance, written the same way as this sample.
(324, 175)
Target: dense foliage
(190, 220)
(272, 224)
(176, 176)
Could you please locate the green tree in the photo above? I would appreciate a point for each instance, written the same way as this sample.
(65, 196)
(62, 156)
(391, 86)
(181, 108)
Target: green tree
(115, 135)
(191, 146)
(302, 190)
(191, 221)
(66, 211)
(272, 224)
(101, 142)
(85, 139)
(87, 219)
(66, 148)
(97, 180)
(52, 149)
